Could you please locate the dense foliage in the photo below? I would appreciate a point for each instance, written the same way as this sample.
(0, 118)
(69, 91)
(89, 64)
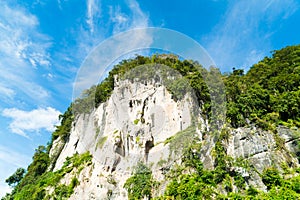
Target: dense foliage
(141, 183)
(16, 177)
(37, 179)
(269, 93)
(31, 183)
(192, 73)
(63, 130)
(190, 180)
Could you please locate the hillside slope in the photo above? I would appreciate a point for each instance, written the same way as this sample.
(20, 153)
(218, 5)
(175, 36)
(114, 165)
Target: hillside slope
(150, 135)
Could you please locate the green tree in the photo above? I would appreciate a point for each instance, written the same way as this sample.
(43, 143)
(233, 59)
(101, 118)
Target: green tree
(16, 177)
(40, 161)
(271, 177)
(63, 131)
(140, 185)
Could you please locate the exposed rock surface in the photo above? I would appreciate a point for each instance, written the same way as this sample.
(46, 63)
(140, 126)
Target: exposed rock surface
(133, 126)
(261, 150)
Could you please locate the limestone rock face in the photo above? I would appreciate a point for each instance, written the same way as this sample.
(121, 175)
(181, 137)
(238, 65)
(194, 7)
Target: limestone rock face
(134, 124)
(131, 126)
(261, 150)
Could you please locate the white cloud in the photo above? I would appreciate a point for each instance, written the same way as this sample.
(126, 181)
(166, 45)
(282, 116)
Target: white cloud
(90, 72)
(93, 11)
(135, 19)
(242, 37)
(139, 18)
(31, 121)
(95, 35)
(6, 92)
(23, 49)
(120, 20)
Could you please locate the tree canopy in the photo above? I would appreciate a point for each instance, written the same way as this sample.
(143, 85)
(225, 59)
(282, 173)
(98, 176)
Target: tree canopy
(16, 177)
(269, 93)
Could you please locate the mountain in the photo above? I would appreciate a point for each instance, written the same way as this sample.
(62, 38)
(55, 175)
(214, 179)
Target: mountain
(156, 128)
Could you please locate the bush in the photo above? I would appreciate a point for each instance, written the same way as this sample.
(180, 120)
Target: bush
(140, 185)
(271, 177)
(34, 186)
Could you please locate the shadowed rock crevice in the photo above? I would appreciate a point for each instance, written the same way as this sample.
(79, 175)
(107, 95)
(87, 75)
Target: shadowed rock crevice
(119, 147)
(148, 146)
(115, 164)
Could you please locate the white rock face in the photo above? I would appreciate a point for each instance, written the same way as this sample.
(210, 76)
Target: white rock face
(131, 126)
(260, 149)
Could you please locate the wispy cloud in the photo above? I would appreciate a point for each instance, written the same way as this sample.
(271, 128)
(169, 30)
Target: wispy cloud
(119, 21)
(242, 37)
(93, 12)
(139, 18)
(9, 161)
(13, 158)
(135, 19)
(6, 93)
(23, 50)
(32, 121)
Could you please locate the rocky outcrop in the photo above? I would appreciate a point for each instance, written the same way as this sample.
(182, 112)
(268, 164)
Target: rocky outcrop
(135, 124)
(131, 126)
(262, 149)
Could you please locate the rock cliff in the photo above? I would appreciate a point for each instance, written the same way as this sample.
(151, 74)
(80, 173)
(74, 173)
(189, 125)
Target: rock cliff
(141, 122)
(132, 126)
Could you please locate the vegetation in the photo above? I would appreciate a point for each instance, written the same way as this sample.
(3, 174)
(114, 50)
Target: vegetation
(191, 181)
(64, 129)
(141, 183)
(37, 179)
(180, 140)
(271, 177)
(101, 142)
(269, 94)
(136, 121)
(16, 177)
(249, 96)
(62, 132)
(169, 66)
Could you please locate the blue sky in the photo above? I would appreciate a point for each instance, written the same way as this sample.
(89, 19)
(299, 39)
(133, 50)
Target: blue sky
(44, 42)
